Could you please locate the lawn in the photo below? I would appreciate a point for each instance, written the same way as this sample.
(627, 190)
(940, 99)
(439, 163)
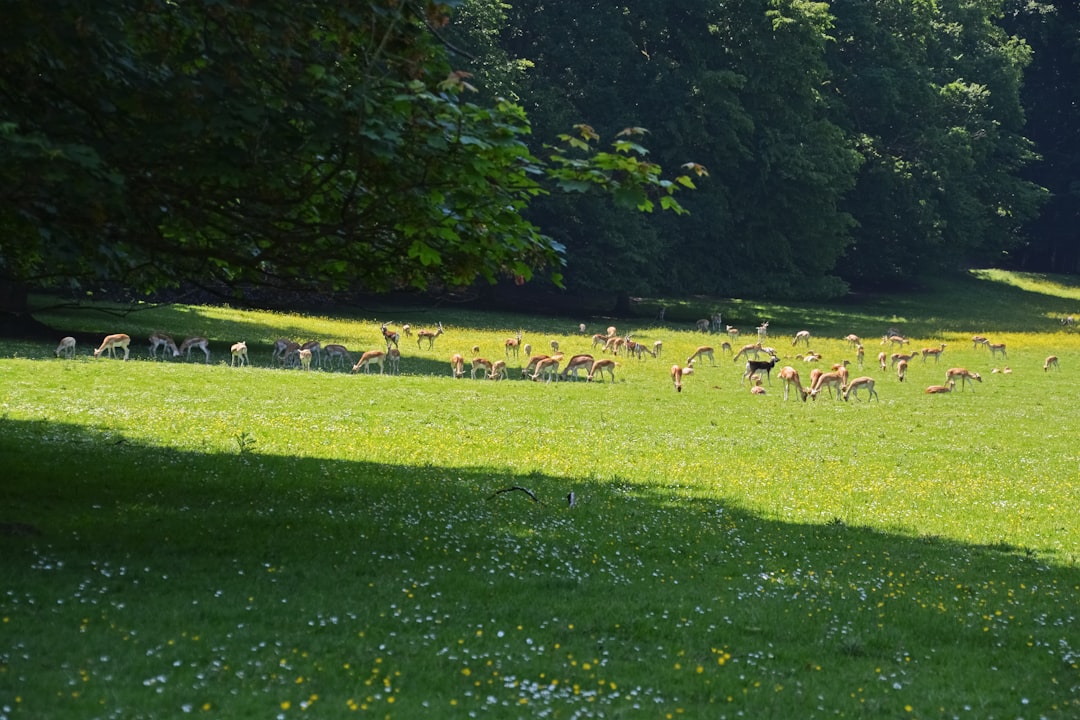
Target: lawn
(187, 538)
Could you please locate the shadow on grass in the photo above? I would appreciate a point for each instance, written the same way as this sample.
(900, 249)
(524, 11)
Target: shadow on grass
(253, 583)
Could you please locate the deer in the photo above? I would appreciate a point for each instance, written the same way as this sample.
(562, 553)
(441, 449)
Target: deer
(390, 336)
(315, 347)
(657, 348)
(393, 359)
(371, 357)
(763, 331)
(1051, 362)
(66, 347)
(339, 353)
(477, 364)
(498, 370)
(548, 367)
(859, 383)
(803, 336)
(428, 335)
(978, 340)
(853, 340)
(289, 354)
(407, 329)
(196, 343)
(936, 389)
(897, 357)
(702, 352)
(996, 348)
(457, 366)
(677, 377)
(754, 367)
(305, 359)
(895, 340)
(828, 380)
(883, 360)
(933, 352)
(281, 346)
(531, 365)
(860, 355)
(703, 326)
(600, 366)
(965, 375)
(166, 343)
(790, 376)
(901, 370)
(111, 342)
(575, 364)
(555, 346)
(513, 345)
(239, 354)
(747, 350)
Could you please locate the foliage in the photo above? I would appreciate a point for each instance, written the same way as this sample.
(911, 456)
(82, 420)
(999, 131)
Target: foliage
(292, 143)
(354, 555)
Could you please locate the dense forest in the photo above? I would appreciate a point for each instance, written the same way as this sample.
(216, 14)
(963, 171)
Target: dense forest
(864, 142)
(780, 148)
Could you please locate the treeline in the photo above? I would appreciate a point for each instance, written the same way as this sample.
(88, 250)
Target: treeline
(854, 143)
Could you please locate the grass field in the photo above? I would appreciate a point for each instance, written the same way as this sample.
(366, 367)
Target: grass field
(181, 538)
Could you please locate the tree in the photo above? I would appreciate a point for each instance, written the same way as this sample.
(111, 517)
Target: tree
(930, 93)
(286, 143)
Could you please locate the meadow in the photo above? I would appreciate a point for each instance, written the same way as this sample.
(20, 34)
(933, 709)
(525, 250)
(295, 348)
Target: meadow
(182, 538)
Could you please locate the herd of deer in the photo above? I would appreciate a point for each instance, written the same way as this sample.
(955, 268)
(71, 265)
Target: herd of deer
(288, 353)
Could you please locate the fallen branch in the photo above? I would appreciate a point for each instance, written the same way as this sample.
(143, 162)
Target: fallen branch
(527, 491)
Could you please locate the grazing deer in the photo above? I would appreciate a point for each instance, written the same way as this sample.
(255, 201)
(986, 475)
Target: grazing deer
(429, 335)
(66, 347)
(371, 357)
(803, 336)
(239, 354)
(548, 367)
(901, 370)
(790, 376)
(498, 370)
(978, 340)
(111, 342)
(859, 383)
(996, 348)
(600, 366)
(829, 380)
(702, 352)
(1051, 362)
(853, 340)
(196, 343)
(965, 375)
(677, 377)
(703, 326)
(479, 362)
(166, 343)
(531, 365)
(576, 364)
(747, 350)
(337, 353)
(457, 366)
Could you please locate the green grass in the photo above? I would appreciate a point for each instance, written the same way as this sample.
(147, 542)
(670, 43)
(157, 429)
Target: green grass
(265, 543)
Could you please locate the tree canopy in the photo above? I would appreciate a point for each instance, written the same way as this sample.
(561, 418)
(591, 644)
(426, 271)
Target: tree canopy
(293, 143)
